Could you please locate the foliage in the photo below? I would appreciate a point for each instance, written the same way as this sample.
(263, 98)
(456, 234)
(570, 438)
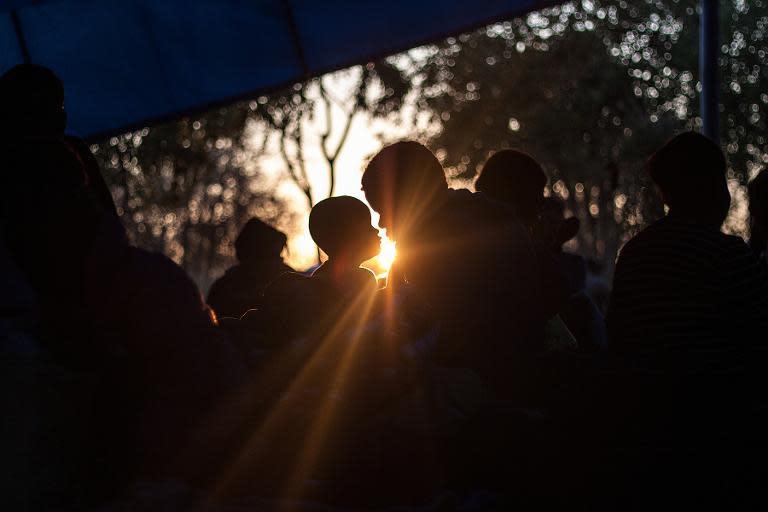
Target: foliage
(378, 89)
(186, 187)
(590, 89)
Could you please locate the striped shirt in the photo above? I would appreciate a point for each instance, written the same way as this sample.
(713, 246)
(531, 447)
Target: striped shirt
(689, 297)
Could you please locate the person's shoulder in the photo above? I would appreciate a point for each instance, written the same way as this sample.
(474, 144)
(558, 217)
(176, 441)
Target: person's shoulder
(479, 207)
(652, 234)
(735, 251)
(153, 260)
(367, 278)
(287, 282)
(735, 243)
(233, 273)
(229, 278)
(460, 194)
(478, 200)
(159, 267)
(718, 244)
(290, 277)
(157, 278)
(636, 245)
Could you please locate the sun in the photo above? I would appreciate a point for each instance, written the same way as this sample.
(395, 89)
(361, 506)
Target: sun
(381, 263)
(387, 253)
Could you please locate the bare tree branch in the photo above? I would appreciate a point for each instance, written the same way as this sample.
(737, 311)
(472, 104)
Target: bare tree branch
(301, 183)
(328, 121)
(332, 155)
(301, 163)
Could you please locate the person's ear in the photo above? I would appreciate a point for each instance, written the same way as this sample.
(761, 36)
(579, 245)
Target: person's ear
(568, 229)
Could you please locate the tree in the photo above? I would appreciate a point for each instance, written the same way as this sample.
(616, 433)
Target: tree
(590, 89)
(377, 88)
(186, 187)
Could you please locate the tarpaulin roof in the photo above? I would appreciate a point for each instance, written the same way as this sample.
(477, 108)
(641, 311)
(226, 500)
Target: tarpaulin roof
(128, 63)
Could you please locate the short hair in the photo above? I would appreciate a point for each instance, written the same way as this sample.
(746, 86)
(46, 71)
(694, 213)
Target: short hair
(32, 93)
(685, 160)
(402, 173)
(513, 177)
(332, 222)
(758, 197)
(258, 240)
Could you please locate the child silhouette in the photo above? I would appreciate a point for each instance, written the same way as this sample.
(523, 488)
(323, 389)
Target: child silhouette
(295, 305)
(341, 227)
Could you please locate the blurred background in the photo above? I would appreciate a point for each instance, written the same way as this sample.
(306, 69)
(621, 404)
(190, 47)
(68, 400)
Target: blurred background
(588, 88)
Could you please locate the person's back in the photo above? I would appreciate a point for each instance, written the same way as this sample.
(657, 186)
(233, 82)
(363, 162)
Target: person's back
(687, 321)
(686, 290)
(686, 297)
(258, 248)
(468, 259)
(517, 180)
(341, 227)
(241, 287)
(168, 366)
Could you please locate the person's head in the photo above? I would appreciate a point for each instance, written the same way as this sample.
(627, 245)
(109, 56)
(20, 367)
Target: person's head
(758, 204)
(258, 241)
(690, 173)
(404, 182)
(341, 227)
(32, 102)
(517, 179)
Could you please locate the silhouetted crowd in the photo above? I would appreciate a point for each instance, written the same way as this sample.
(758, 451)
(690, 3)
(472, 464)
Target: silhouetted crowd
(482, 375)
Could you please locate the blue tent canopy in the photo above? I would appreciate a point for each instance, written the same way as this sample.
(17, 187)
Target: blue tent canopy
(128, 63)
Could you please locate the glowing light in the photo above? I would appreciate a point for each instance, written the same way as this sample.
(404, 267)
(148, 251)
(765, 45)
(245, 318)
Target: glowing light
(387, 254)
(336, 356)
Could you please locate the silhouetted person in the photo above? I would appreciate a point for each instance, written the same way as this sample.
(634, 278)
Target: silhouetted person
(463, 255)
(685, 295)
(687, 320)
(517, 179)
(324, 343)
(50, 219)
(758, 211)
(32, 102)
(128, 323)
(258, 249)
(297, 305)
(32, 106)
(341, 227)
